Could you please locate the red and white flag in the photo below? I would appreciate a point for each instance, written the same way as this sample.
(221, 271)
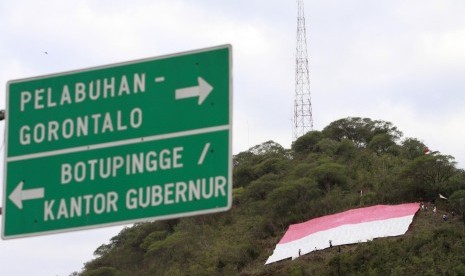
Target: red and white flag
(353, 226)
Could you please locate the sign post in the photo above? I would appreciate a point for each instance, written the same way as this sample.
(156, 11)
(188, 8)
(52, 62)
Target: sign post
(148, 139)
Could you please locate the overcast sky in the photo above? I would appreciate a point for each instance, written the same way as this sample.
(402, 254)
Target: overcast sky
(401, 61)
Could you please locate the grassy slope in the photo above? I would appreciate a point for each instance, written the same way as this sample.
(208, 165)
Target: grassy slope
(430, 247)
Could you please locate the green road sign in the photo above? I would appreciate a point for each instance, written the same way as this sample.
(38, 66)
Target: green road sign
(148, 139)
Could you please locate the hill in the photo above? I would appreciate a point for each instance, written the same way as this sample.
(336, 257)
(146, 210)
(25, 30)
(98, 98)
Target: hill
(324, 172)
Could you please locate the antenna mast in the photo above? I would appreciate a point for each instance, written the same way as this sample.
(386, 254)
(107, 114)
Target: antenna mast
(303, 118)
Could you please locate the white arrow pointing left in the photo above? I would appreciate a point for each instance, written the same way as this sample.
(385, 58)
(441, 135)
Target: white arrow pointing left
(18, 195)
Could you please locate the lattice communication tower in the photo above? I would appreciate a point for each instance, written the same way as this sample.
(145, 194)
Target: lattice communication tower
(303, 118)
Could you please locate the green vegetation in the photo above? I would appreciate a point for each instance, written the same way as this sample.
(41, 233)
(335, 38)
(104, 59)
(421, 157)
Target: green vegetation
(323, 173)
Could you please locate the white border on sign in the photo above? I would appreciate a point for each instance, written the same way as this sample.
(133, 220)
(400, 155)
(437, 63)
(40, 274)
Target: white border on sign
(95, 226)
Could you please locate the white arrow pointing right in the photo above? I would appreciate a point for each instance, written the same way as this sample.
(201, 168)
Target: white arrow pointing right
(202, 91)
(18, 194)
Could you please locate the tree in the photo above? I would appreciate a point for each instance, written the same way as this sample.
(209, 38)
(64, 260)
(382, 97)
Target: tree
(288, 203)
(268, 148)
(268, 157)
(412, 148)
(457, 201)
(360, 130)
(383, 143)
(330, 174)
(327, 146)
(307, 142)
(346, 149)
(243, 158)
(428, 172)
(258, 189)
